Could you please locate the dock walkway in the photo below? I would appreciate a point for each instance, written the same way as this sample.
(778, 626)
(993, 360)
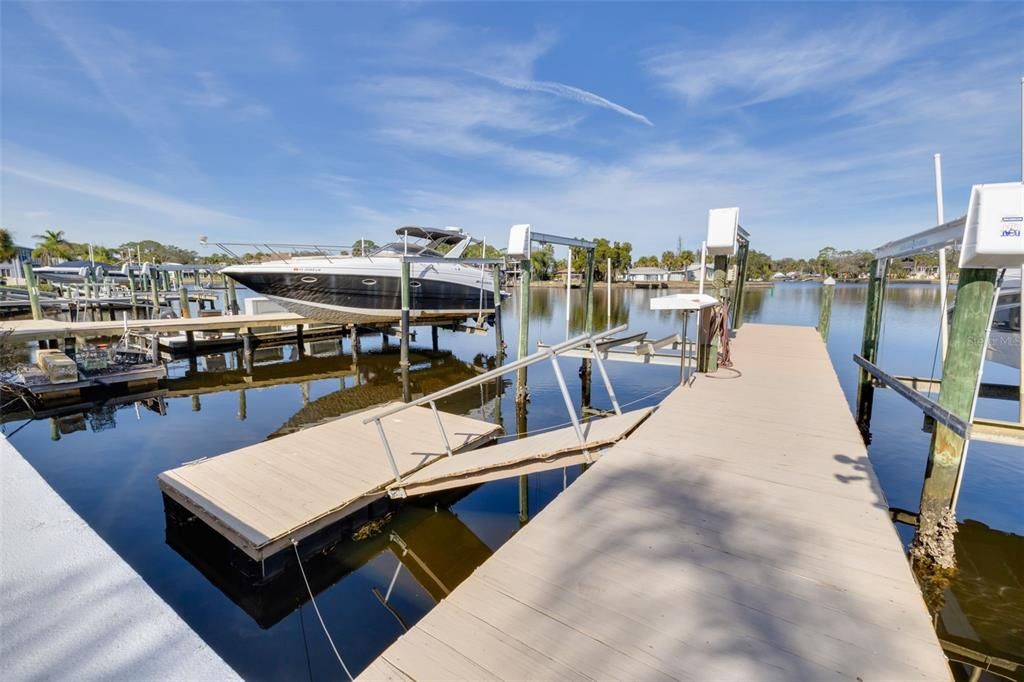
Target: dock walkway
(740, 533)
(71, 608)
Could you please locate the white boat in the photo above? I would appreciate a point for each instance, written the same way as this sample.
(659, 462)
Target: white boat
(349, 289)
(1004, 338)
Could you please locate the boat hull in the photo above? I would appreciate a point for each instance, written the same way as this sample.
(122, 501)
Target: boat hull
(359, 297)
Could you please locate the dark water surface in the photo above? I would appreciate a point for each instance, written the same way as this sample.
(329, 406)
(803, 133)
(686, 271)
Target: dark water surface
(106, 464)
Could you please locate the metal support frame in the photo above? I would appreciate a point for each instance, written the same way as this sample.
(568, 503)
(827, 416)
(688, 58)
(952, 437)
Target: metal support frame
(440, 427)
(568, 405)
(549, 353)
(604, 377)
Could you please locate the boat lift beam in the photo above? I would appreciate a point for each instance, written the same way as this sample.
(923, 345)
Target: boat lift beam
(932, 239)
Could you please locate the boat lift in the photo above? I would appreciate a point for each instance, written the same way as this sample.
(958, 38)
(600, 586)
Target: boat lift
(991, 238)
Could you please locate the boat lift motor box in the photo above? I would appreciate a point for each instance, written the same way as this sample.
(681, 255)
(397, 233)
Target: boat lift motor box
(995, 221)
(519, 242)
(723, 225)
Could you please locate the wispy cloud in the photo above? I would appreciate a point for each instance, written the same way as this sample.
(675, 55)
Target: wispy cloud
(571, 93)
(767, 64)
(459, 119)
(22, 163)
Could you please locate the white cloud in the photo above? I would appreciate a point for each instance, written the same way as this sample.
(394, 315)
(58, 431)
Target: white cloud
(27, 165)
(459, 119)
(761, 64)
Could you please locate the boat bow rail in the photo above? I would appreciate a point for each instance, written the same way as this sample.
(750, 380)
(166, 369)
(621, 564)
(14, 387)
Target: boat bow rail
(550, 353)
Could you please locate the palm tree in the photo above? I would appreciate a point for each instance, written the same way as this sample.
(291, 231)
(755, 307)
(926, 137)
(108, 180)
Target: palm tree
(7, 248)
(51, 245)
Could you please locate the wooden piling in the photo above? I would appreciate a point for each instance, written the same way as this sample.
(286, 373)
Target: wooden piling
(828, 292)
(433, 337)
(404, 341)
(155, 296)
(739, 287)
(183, 302)
(523, 345)
(242, 406)
(132, 293)
(499, 335)
(232, 296)
(869, 344)
(33, 291)
(961, 372)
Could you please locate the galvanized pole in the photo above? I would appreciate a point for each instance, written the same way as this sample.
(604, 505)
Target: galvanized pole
(873, 314)
(568, 291)
(961, 372)
(588, 293)
(943, 281)
(828, 292)
(609, 288)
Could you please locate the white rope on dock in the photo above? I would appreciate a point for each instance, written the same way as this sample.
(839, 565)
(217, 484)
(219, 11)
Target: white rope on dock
(312, 600)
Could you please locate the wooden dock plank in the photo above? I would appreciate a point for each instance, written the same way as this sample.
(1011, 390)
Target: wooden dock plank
(739, 533)
(262, 496)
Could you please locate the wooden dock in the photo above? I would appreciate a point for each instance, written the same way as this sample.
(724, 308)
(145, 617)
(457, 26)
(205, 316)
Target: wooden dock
(41, 330)
(740, 533)
(264, 496)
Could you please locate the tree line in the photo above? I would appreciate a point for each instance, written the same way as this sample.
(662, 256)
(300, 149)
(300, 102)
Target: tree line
(52, 246)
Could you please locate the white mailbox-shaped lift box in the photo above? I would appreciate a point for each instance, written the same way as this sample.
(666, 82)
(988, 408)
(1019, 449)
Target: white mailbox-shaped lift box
(519, 241)
(995, 222)
(723, 224)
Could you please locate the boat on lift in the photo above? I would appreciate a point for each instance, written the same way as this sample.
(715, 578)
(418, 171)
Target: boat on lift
(1004, 337)
(366, 288)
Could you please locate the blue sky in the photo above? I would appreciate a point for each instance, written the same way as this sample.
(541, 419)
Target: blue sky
(331, 122)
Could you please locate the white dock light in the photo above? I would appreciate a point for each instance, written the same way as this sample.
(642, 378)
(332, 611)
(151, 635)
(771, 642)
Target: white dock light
(994, 233)
(723, 224)
(519, 241)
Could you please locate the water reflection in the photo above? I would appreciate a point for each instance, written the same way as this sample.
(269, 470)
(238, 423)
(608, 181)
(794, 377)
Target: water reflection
(425, 537)
(980, 619)
(106, 472)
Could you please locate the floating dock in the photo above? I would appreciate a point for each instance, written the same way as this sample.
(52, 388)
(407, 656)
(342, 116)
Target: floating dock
(264, 496)
(739, 533)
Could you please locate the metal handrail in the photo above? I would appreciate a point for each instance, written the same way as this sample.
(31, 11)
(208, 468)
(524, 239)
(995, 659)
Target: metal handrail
(550, 353)
(575, 342)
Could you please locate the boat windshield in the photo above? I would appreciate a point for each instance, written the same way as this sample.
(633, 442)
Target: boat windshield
(398, 249)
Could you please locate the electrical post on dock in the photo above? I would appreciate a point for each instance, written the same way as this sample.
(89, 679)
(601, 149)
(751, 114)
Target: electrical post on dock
(725, 237)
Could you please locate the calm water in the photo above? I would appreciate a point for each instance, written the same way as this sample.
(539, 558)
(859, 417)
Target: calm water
(105, 463)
